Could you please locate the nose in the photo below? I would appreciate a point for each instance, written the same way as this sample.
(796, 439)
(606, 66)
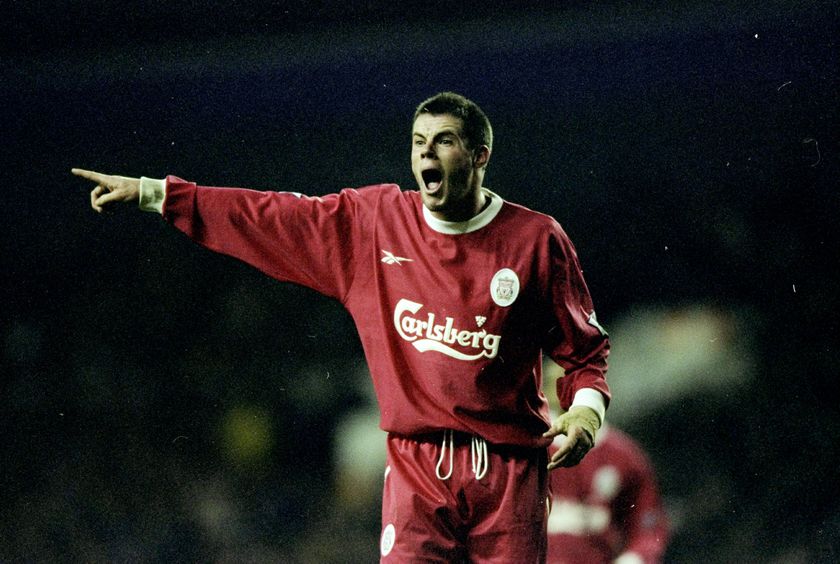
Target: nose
(427, 151)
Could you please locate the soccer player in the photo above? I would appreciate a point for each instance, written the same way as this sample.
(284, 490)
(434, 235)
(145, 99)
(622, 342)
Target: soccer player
(607, 509)
(456, 294)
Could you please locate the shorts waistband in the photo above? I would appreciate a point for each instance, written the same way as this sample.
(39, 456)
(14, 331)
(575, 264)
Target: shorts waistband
(463, 438)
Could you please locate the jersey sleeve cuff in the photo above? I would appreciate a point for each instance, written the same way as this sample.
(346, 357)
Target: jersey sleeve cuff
(593, 399)
(152, 194)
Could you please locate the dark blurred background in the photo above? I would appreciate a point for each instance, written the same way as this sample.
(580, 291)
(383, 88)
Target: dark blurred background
(161, 403)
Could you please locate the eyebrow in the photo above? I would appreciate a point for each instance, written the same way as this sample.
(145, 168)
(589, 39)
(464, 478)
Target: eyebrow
(448, 131)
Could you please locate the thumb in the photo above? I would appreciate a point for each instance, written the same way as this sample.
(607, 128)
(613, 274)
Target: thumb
(559, 426)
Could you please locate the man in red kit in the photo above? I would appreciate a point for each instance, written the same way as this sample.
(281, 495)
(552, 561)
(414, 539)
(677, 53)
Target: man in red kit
(456, 294)
(607, 509)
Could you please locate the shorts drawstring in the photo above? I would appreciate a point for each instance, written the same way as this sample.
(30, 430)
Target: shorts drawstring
(478, 455)
(450, 435)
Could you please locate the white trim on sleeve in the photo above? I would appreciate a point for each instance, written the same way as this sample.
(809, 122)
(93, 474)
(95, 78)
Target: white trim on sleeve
(152, 194)
(592, 399)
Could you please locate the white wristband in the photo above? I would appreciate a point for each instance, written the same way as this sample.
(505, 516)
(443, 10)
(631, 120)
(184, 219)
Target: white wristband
(593, 399)
(152, 194)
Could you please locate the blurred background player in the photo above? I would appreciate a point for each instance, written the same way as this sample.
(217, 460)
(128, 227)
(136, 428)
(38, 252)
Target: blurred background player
(607, 509)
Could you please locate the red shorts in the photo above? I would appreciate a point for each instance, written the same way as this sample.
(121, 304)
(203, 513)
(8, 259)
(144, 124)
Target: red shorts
(428, 516)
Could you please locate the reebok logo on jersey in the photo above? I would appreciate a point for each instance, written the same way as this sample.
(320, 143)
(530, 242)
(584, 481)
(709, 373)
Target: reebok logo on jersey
(426, 335)
(390, 258)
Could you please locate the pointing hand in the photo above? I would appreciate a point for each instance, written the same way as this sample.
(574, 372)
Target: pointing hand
(109, 189)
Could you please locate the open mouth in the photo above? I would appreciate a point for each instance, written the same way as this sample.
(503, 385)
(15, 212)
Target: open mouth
(432, 178)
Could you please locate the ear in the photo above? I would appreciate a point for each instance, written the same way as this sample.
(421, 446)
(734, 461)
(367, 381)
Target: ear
(481, 156)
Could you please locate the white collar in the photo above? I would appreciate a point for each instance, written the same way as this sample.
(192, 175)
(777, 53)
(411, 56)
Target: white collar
(473, 224)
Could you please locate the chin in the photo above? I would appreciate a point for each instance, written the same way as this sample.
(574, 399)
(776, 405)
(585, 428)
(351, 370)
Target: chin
(430, 199)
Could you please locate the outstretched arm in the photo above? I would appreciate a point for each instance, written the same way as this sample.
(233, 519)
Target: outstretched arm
(109, 189)
(290, 237)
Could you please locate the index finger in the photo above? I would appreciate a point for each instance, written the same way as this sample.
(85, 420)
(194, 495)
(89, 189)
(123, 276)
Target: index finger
(97, 177)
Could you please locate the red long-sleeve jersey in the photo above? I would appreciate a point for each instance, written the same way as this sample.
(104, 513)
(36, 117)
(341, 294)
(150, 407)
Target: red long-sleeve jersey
(607, 506)
(452, 316)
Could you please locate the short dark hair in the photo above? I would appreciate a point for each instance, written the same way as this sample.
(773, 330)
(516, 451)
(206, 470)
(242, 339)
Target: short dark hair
(477, 129)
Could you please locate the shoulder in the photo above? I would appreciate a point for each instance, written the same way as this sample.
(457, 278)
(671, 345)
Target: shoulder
(374, 195)
(376, 190)
(531, 220)
(367, 196)
(544, 233)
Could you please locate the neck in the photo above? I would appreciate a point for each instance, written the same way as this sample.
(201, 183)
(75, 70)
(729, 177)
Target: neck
(468, 210)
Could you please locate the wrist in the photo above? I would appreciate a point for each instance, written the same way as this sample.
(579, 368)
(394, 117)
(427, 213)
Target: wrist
(152, 194)
(587, 419)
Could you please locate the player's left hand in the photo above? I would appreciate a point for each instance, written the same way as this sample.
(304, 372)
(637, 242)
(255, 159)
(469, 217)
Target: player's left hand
(580, 425)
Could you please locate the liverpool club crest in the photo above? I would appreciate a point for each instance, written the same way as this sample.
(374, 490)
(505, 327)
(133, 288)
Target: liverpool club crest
(504, 288)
